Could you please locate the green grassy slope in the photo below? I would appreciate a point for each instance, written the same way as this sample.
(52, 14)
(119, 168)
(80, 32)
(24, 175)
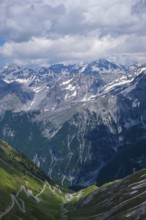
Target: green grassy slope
(21, 180)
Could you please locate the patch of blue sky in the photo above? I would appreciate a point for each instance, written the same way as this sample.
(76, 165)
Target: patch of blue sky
(2, 41)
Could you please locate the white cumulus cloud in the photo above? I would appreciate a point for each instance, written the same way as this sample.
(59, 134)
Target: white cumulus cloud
(44, 31)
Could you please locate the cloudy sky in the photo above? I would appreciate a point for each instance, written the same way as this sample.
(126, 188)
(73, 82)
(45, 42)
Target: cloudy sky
(42, 32)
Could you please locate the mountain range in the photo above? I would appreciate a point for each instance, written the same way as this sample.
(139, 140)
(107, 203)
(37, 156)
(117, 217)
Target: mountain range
(81, 124)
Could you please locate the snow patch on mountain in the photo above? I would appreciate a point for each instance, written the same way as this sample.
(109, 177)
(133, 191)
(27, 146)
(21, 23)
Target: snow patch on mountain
(66, 82)
(70, 87)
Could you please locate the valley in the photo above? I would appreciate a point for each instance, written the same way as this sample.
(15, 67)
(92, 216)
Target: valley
(27, 193)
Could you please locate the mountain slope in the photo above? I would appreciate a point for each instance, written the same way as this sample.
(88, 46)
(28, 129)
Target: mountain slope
(123, 199)
(26, 192)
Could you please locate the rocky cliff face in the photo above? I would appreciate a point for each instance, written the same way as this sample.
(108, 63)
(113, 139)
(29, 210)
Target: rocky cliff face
(77, 122)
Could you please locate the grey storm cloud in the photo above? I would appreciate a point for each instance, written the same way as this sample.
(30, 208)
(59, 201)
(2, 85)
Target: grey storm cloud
(45, 31)
(139, 7)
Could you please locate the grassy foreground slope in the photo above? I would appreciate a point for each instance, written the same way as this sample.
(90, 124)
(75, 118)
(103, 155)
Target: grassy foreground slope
(26, 193)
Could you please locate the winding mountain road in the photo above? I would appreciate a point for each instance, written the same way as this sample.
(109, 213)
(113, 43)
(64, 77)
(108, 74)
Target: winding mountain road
(19, 202)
